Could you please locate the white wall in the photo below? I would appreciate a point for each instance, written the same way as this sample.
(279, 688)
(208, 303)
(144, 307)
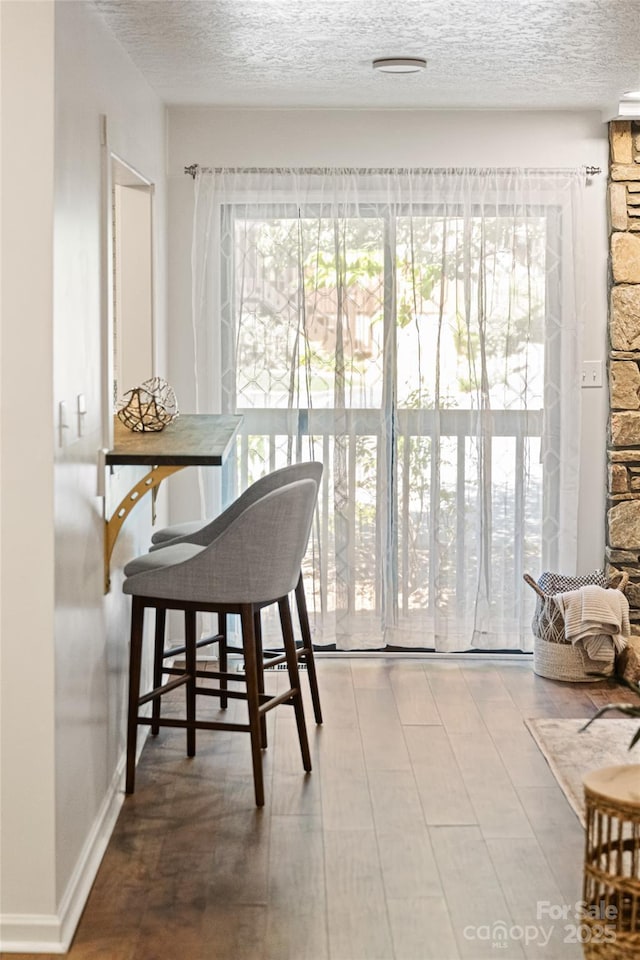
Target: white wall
(264, 138)
(94, 77)
(60, 794)
(27, 708)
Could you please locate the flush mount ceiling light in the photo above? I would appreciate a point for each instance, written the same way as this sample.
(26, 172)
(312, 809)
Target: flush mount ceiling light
(631, 95)
(399, 64)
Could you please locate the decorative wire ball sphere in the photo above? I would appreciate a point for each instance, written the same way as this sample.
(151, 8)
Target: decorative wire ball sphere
(149, 407)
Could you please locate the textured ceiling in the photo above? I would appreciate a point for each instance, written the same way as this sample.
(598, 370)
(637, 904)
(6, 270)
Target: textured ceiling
(482, 54)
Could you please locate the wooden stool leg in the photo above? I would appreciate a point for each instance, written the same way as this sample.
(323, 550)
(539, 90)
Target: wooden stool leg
(294, 679)
(190, 666)
(257, 630)
(135, 660)
(222, 657)
(253, 702)
(158, 654)
(308, 657)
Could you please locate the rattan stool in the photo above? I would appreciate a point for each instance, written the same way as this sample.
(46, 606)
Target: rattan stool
(611, 889)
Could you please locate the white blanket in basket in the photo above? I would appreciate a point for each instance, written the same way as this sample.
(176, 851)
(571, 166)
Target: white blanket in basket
(597, 619)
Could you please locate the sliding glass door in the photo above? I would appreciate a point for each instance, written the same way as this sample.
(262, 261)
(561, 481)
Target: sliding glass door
(406, 345)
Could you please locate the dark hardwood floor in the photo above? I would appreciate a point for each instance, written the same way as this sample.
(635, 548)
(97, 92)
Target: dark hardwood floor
(430, 815)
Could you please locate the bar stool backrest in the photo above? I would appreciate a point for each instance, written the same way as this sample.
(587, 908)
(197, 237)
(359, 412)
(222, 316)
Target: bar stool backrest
(255, 559)
(203, 534)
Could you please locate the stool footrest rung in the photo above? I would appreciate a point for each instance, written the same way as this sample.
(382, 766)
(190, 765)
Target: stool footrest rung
(205, 642)
(195, 724)
(165, 688)
(268, 702)
(220, 692)
(207, 674)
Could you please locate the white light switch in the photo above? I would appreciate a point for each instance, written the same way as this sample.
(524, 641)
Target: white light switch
(63, 422)
(592, 373)
(81, 410)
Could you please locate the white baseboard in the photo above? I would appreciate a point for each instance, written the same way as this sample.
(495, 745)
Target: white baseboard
(30, 933)
(53, 933)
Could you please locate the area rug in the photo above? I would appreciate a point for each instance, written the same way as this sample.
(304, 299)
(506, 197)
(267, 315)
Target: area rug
(571, 754)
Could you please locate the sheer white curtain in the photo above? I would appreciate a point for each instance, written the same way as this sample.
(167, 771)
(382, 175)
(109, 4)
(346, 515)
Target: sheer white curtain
(418, 332)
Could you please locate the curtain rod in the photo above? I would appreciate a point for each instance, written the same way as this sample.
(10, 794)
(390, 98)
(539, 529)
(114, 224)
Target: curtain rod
(194, 168)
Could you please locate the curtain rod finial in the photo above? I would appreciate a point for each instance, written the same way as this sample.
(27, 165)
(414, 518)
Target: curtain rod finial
(192, 170)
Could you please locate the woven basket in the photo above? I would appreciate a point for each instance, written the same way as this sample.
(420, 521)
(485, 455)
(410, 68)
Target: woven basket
(554, 657)
(562, 661)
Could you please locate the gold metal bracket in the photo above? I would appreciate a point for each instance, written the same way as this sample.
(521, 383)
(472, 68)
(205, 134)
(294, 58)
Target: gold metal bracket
(150, 482)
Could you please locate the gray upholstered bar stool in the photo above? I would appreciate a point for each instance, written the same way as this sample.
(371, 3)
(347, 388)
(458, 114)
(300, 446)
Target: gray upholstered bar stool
(255, 562)
(195, 532)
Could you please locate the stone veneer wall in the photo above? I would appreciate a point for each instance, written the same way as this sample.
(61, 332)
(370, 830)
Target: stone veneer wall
(623, 458)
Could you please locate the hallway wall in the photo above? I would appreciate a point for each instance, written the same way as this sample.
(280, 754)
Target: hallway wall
(27, 705)
(64, 643)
